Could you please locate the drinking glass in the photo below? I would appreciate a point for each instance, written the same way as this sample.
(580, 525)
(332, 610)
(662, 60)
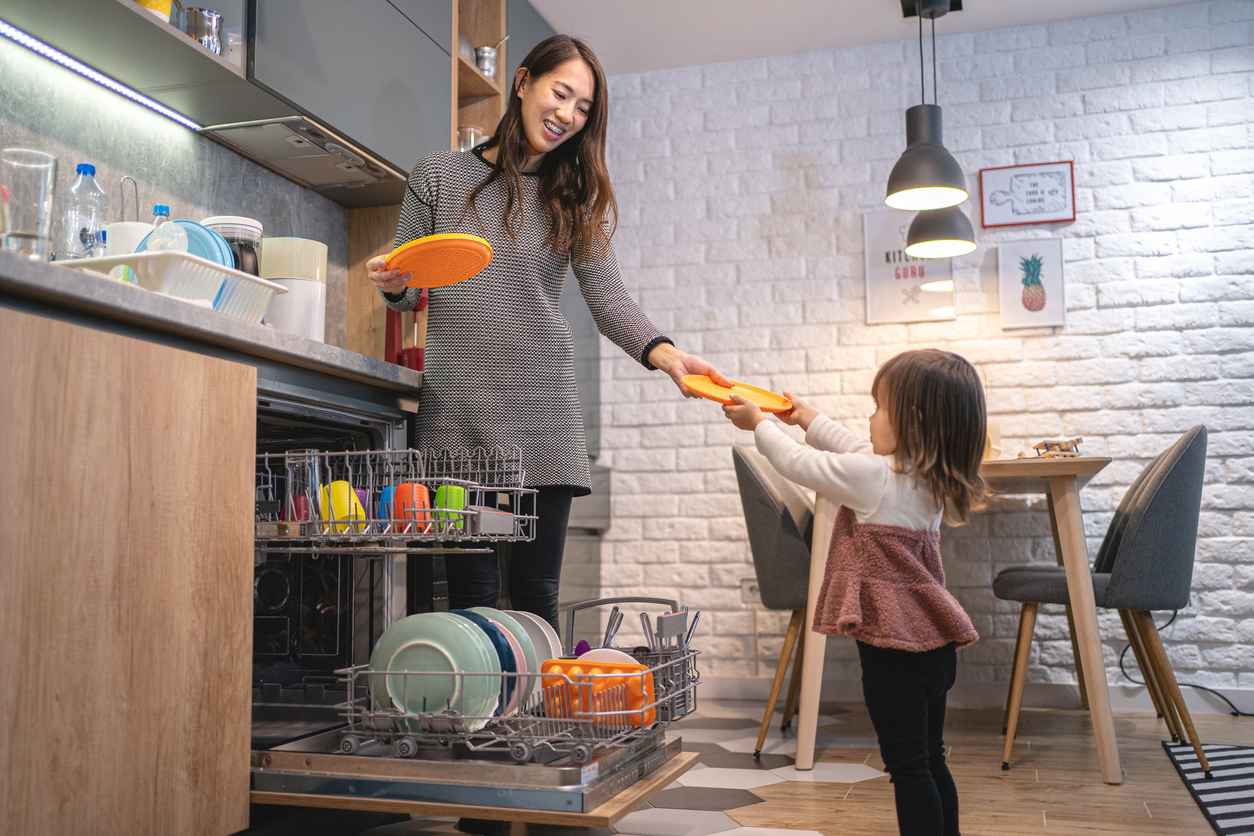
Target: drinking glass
(27, 178)
(304, 485)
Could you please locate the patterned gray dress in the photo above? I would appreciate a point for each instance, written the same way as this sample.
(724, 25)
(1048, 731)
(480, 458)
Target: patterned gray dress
(499, 357)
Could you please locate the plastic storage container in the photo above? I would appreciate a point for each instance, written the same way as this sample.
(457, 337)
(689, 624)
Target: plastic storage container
(244, 237)
(82, 208)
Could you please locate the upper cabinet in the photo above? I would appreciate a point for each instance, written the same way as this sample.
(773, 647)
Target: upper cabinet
(367, 71)
(338, 96)
(129, 44)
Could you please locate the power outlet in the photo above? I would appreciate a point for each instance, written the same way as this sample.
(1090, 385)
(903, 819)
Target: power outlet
(749, 593)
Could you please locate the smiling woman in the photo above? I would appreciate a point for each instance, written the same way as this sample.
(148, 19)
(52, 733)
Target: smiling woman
(499, 356)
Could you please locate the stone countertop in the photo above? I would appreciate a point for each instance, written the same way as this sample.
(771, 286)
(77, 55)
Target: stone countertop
(97, 295)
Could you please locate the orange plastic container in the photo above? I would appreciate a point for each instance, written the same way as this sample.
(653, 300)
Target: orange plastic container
(578, 695)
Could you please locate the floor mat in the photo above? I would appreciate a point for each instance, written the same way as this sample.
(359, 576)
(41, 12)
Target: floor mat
(1227, 797)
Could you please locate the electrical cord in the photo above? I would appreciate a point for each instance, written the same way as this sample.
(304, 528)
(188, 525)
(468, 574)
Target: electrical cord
(1236, 712)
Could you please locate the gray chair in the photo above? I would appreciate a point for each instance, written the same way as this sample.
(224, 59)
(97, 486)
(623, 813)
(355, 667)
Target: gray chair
(780, 520)
(1145, 563)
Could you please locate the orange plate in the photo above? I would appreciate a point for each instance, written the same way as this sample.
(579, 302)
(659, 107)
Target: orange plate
(441, 260)
(767, 401)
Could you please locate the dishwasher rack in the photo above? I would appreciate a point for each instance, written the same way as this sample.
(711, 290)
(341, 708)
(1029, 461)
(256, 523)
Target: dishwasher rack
(577, 715)
(378, 502)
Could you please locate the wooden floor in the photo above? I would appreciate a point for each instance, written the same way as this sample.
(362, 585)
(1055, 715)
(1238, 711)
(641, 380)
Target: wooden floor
(1053, 786)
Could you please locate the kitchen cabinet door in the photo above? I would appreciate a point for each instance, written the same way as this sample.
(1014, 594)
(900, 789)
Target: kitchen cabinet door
(125, 583)
(365, 70)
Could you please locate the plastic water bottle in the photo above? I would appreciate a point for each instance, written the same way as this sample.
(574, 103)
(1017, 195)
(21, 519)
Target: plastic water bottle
(167, 235)
(82, 208)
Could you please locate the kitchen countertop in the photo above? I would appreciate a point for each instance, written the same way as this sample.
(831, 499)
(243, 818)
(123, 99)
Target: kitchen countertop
(100, 296)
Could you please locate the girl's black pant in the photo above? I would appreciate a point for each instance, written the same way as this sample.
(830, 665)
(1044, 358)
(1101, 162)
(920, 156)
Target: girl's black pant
(905, 696)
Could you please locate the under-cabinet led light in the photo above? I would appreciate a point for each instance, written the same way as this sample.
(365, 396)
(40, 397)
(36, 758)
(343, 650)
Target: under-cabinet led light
(34, 45)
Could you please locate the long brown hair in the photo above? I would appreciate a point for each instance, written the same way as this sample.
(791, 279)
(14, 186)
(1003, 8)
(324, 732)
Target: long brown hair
(575, 191)
(935, 405)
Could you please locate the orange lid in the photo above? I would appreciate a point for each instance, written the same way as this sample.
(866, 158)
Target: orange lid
(441, 260)
(766, 400)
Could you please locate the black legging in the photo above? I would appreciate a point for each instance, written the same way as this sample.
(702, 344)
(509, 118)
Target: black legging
(905, 696)
(535, 567)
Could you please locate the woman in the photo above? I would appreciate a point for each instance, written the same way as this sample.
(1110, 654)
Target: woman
(499, 367)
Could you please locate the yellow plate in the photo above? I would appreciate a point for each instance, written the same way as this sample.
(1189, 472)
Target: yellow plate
(441, 260)
(766, 400)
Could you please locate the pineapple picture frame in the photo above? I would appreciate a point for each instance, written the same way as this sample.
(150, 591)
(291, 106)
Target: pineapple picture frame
(1030, 282)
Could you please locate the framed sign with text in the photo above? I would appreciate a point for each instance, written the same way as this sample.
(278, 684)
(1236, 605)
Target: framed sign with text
(1042, 193)
(901, 288)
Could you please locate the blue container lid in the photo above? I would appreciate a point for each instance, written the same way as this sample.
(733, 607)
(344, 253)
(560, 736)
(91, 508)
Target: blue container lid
(161, 209)
(86, 168)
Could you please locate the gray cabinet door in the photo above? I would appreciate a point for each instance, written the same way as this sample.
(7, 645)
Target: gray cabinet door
(363, 69)
(434, 17)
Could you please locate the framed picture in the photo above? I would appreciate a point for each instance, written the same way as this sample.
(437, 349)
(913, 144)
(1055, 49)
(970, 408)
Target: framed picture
(1030, 282)
(1043, 193)
(901, 288)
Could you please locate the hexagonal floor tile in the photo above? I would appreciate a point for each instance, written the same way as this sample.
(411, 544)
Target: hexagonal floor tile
(704, 798)
(742, 779)
(661, 822)
(831, 773)
(698, 722)
(742, 760)
(709, 735)
(773, 745)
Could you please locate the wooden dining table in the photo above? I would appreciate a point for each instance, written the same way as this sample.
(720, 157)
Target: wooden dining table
(1060, 480)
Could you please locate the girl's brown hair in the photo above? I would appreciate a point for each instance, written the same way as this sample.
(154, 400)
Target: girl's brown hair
(575, 191)
(935, 404)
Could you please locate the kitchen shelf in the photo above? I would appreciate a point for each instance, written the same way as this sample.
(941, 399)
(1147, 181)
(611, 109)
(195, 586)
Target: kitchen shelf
(129, 44)
(472, 83)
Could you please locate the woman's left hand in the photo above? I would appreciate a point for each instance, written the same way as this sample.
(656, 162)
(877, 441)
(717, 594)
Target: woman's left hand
(678, 363)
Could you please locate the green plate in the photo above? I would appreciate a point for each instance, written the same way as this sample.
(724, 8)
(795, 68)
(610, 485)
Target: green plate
(437, 643)
(524, 641)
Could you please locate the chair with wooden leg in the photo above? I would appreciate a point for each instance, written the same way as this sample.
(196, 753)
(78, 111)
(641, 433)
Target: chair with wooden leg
(779, 518)
(1145, 563)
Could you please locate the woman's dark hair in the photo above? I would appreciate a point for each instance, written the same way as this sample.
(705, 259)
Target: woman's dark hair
(575, 191)
(935, 405)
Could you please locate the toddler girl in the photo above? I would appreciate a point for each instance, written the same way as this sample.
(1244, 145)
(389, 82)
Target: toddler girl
(884, 584)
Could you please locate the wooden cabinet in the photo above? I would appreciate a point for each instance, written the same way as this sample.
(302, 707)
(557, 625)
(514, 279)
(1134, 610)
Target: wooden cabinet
(125, 583)
(365, 70)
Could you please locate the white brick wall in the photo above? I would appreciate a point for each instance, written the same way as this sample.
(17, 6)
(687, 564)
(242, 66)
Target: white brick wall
(741, 189)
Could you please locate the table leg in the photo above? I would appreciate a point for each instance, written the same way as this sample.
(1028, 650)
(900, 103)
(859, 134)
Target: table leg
(816, 643)
(1075, 647)
(1067, 515)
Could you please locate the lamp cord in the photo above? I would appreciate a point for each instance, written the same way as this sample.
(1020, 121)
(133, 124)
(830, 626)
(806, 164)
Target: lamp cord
(922, 75)
(1236, 712)
(934, 99)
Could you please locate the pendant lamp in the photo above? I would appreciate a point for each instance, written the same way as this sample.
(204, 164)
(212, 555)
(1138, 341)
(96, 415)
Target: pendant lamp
(940, 233)
(926, 176)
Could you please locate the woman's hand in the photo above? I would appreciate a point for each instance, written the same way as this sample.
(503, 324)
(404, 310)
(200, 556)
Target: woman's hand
(678, 363)
(743, 413)
(801, 414)
(389, 281)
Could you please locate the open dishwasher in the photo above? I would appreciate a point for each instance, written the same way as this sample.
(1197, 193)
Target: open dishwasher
(586, 745)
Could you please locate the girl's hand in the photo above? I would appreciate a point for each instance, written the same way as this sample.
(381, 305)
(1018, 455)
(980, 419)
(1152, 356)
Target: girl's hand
(678, 363)
(744, 414)
(801, 414)
(389, 281)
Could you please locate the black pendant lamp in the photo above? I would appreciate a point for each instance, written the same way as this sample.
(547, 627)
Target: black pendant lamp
(940, 233)
(926, 176)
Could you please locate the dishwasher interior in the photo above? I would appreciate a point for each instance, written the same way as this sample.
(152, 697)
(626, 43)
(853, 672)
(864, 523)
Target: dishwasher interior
(321, 735)
(316, 613)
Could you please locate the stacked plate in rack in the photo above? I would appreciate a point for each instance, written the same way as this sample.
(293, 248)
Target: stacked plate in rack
(418, 659)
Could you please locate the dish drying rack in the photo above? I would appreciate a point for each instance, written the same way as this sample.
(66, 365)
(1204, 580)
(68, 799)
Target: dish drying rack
(569, 717)
(297, 509)
(192, 279)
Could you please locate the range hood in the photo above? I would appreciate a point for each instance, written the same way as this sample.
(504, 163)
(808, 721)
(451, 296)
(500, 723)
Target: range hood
(309, 154)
